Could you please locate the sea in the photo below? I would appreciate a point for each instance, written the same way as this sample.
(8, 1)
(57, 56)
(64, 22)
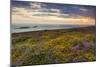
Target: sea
(18, 27)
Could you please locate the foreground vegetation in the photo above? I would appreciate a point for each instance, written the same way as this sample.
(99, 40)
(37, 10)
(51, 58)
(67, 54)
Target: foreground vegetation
(54, 46)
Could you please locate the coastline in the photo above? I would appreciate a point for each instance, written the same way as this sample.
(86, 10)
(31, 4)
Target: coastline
(49, 46)
(55, 30)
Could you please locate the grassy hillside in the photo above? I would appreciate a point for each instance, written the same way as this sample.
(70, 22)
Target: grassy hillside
(54, 46)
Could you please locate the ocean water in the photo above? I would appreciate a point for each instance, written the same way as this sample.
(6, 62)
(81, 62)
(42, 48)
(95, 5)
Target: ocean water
(16, 28)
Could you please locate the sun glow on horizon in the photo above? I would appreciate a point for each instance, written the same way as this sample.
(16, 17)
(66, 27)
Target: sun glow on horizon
(40, 13)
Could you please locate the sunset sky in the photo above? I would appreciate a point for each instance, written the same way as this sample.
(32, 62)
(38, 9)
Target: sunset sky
(51, 13)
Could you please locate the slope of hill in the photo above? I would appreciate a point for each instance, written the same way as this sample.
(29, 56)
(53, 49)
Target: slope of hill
(54, 46)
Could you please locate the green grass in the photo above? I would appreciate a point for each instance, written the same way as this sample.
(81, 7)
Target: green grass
(56, 46)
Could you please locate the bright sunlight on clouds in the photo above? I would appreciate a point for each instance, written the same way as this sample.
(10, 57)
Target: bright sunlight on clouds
(49, 13)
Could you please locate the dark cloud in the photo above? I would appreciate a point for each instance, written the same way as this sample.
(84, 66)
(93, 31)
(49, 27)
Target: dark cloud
(72, 10)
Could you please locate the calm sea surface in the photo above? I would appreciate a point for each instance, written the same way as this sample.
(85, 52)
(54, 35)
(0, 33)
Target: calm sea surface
(16, 28)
